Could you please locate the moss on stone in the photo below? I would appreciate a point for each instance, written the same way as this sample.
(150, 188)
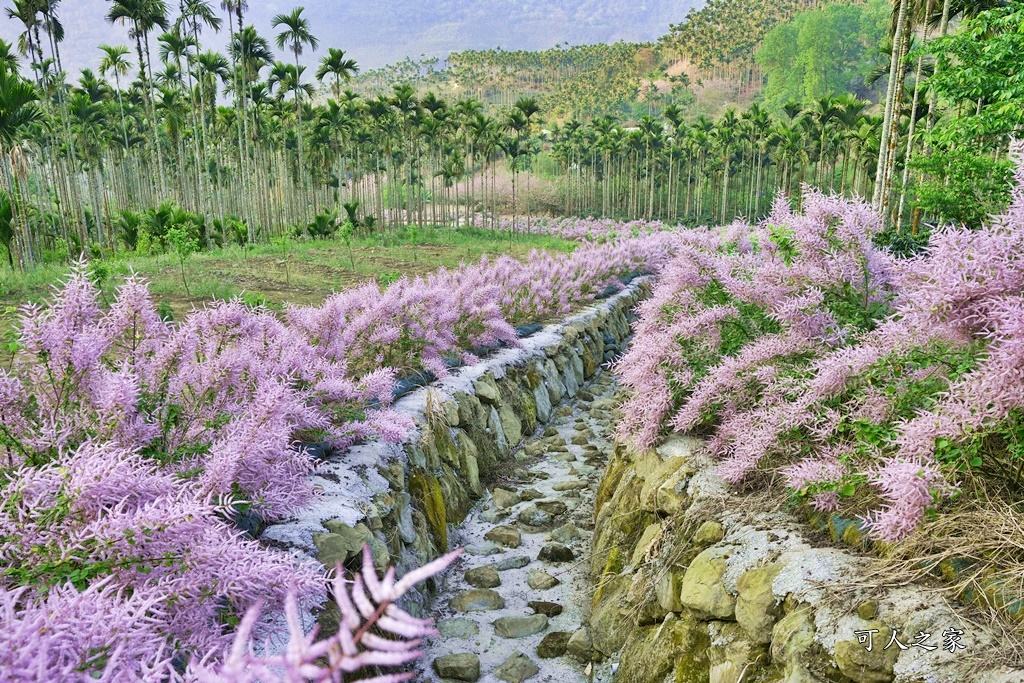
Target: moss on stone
(610, 482)
(651, 653)
(425, 488)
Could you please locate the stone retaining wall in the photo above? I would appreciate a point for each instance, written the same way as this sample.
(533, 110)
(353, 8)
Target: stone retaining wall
(696, 583)
(401, 500)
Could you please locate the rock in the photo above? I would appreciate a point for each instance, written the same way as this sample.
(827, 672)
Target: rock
(517, 562)
(520, 627)
(540, 580)
(556, 552)
(493, 516)
(406, 528)
(381, 555)
(564, 457)
(703, 590)
(531, 515)
(650, 536)
(553, 644)
(495, 427)
(484, 549)
(797, 673)
(664, 487)
(451, 413)
(580, 439)
(729, 643)
(652, 652)
(507, 536)
(535, 448)
(483, 577)
(550, 431)
(584, 395)
(570, 485)
(426, 490)
(342, 544)
(859, 665)
(549, 609)
(868, 610)
(458, 627)
(471, 463)
(756, 606)
(516, 669)
(476, 600)
(486, 389)
(510, 424)
(552, 507)
(667, 590)
(793, 635)
(460, 667)
(579, 645)
(531, 494)
(609, 614)
(565, 533)
(542, 397)
(504, 499)
(708, 533)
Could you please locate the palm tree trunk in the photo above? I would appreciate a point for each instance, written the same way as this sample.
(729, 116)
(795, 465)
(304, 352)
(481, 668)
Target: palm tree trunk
(895, 84)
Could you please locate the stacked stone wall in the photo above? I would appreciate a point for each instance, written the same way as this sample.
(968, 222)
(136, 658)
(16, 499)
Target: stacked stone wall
(402, 500)
(695, 582)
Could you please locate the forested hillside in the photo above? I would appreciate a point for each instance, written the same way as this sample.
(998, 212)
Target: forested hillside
(583, 81)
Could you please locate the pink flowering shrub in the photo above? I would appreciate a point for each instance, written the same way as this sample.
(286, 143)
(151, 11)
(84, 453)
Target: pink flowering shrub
(797, 346)
(129, 445)
(574, 228)
(364, 603)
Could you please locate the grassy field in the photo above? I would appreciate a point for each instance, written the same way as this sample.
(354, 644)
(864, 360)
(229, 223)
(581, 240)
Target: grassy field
(287, 271)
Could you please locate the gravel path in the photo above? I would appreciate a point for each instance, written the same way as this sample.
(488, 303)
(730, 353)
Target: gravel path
(511, 608)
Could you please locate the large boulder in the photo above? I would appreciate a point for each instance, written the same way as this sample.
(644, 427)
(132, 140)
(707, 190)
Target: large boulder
(793, 636)
(653, 652)
(757, 609)
(510, 424)
(609, 616)
(862, 666)
(703, 590)
(486, 389)
(343, 543)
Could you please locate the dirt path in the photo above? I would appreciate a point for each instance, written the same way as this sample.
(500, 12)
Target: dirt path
(512, 608)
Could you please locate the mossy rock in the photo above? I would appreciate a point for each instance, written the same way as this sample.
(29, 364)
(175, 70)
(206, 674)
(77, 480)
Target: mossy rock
(653, 652)
(455, 495)
(703, 590)
(445, 446)
(425, 488)
(609, 482)
(621, 532)
(731, 646)
(610, 615)
(533, 375)
(756, 606)
(861, 666)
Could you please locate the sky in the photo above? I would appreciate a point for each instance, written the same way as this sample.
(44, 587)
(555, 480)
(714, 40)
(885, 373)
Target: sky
(385, 31)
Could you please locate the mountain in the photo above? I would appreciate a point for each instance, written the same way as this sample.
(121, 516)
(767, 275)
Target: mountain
(382, 32)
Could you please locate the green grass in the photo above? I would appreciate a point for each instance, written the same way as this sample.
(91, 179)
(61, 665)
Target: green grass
(287, 271)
